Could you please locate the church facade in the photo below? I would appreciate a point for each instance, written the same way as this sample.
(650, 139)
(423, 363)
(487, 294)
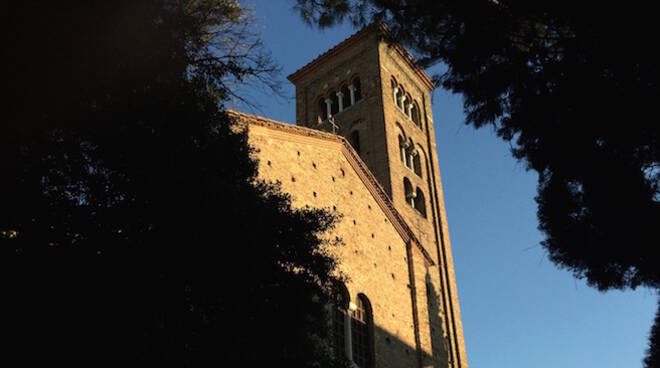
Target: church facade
(363, 146)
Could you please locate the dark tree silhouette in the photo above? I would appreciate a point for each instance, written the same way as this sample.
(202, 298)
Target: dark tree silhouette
(133, 229)
(652, 359)
(575, 89)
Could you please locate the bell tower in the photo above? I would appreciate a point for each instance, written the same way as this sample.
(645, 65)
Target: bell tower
(369, 90)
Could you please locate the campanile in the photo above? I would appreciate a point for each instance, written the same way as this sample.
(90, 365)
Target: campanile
(369, 90)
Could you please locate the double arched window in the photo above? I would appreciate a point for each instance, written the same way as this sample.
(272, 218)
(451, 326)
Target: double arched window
(338, 100)
(414, 197)
(410, 156)
(353, 328)
(405, 102)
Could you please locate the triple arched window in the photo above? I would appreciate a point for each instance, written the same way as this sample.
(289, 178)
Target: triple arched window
(405, 102)
(414, 197)
(353, 329)
(337, 100)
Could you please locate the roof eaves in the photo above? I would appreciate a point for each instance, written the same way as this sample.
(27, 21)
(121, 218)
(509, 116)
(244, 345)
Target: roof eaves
(352, 39)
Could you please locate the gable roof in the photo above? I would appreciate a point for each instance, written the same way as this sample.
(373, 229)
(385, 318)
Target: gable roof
(353, 159)
(378, 27)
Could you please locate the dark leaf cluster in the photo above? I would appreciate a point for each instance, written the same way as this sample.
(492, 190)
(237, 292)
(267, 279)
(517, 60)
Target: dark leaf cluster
(133, 228)
(575, 90)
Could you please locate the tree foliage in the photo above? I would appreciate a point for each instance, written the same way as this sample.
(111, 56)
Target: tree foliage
(652, 359)
(575, 90)
(133, 229)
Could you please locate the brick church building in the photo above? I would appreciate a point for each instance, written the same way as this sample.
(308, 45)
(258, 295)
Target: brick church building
(364, 146)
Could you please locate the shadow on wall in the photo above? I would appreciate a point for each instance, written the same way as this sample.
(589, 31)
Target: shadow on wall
(439, 345)
(390, 351)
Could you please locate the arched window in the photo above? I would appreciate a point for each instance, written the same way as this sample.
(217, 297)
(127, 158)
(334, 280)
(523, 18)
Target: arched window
(407, 105)
(339, 314)
(354, 139)
(323, 110)
(409, 154)
(335, 103)
(417, 165)
(415, 114)
(399, 97)
(362, 333)
(420, 203)
(409, 193)
(357, 86)
(346, 98)
(402, 148)
(395, 90)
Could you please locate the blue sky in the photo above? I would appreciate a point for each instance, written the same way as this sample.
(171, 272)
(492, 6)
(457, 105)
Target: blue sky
(518, 309)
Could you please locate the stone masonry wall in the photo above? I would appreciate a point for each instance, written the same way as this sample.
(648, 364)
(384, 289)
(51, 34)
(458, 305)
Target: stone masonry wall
(433, 230)
(379, 122)
(373, 255)
(360, 60)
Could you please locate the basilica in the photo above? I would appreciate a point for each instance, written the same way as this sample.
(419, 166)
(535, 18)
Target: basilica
(363, 145)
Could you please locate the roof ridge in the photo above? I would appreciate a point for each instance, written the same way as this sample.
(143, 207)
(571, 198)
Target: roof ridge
(372, 27)
(291, 77)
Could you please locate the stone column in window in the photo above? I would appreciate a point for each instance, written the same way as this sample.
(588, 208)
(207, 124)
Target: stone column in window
(406, 148)
(328, 106)
(352, 89)
(408, 109)
(340, 98)
(395, 91)
(413, 153)
(403, 102)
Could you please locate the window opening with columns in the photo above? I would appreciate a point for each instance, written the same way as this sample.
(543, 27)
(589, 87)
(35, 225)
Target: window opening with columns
(345, 97)
(334, 103)
(357, 89)
(323, 110)
(417, 162)
(414, 197)
(337, 101)
(409, 193)
(352, 328)
(420, 202)
(405, 102)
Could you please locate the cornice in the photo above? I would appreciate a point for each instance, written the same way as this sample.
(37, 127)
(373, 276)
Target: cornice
(351, 40)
